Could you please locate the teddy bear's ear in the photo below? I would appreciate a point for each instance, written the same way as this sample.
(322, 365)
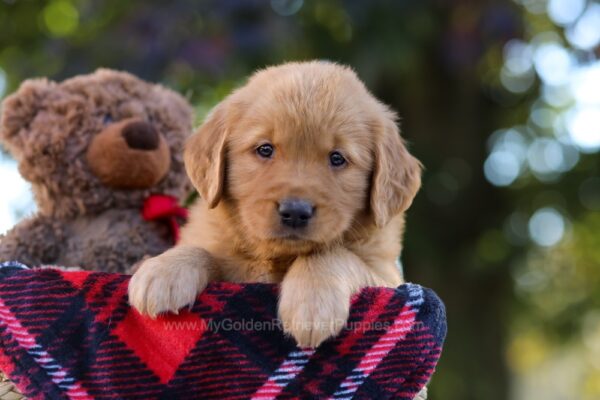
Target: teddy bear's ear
(19, 109)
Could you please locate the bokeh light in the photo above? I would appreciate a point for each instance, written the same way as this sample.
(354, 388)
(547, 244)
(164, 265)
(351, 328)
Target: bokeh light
(561, 135)
(553, 63)
(546, 227)
(286, 7)
(585, 86)
(547, 156)
(518, 56)
(557, 96)
(517, 83)
(543, 117)
(583, 124)
(501, 168)
(534, 6)
(585, 34)
(508, 153)
(517, 73)
(61, 18)
(564, 12)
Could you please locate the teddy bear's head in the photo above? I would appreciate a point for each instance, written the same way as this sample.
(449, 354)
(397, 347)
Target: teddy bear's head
(98, 141)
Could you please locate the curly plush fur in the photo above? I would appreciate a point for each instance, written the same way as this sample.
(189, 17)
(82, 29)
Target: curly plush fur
(81, 220)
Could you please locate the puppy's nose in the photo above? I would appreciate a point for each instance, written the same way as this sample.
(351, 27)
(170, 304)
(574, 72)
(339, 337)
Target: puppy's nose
(295, 213)
(141, 135)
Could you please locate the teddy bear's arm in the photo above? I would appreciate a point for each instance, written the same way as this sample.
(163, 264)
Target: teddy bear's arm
(34, 241)
(113, 241)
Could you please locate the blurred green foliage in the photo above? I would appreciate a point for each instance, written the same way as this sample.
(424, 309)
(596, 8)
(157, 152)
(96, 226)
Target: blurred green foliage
(441, 65)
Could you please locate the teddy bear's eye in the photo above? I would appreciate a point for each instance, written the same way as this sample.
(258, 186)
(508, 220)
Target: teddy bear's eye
(108, 119)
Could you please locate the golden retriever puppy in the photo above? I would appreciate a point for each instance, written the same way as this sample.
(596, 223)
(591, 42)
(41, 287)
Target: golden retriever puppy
(304, 180)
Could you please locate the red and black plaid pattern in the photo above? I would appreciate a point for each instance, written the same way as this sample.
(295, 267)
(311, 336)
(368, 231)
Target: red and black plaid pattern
(73, 335)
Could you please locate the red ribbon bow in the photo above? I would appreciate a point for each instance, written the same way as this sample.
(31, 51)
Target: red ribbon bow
(164, 207)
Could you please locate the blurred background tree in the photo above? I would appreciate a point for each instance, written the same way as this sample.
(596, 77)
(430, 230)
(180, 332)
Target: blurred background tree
(499, 99)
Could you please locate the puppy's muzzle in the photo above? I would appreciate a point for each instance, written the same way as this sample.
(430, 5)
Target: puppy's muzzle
(295, 213)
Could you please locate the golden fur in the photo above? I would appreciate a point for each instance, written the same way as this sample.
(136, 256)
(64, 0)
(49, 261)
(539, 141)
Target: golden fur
(305, 110)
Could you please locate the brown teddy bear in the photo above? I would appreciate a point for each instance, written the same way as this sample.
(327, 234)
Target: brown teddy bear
(95, 148)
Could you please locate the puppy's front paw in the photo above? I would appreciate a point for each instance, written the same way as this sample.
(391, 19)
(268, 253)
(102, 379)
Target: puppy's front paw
(166, 284)
(311, 316)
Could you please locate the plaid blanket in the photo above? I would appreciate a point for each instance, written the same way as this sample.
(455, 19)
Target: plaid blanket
(73, 335)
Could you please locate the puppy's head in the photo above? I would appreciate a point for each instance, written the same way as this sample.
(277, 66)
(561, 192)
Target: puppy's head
(300, 154)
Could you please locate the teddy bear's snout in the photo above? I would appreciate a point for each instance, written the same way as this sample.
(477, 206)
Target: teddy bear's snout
(141, 135)
(129, 154)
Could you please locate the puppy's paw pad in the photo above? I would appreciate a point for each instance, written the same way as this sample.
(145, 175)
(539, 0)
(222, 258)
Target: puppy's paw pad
(159, 287)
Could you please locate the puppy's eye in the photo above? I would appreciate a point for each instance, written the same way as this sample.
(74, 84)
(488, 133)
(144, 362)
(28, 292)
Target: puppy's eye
(336, 159)
(107, 119)
(265, 150)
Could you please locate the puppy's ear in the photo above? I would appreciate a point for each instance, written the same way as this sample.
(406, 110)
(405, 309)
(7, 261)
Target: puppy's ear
(396, 174)
(204, 156)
